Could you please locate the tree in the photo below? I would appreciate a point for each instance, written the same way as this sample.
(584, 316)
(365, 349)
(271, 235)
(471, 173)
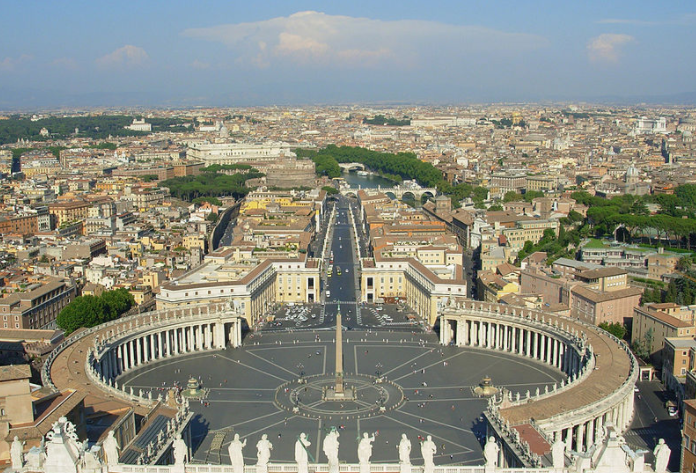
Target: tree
(83, 311)
(212, 217)
(512, 196)
(210, 200)
(684, 264)
(616, 329)
(89, 311)
(118, 301)
(642, 347)
(330, 190)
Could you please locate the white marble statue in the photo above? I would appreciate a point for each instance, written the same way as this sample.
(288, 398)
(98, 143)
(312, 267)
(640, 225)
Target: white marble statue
(236, 455)
(301, 453)
(661, 452)
(490, 452)
(365, 452)
(404, 454)
(180, 450)
(263, 452)
(16, 453)
(35, 458)
(428, 451)
(111, 448)
(330, 447)
(558, 453)
(91, 462)
(405, 450)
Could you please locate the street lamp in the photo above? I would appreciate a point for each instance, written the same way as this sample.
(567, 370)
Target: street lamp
(378, 370)
(300, 368)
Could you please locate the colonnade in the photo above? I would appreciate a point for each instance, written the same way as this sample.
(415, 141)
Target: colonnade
(134, 349)
(581, 436)
(558, 342)
(529, 341)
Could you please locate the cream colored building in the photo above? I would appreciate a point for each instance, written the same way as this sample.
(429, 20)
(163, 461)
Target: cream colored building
(653, 324)
(528, 230)
(251, 284)
(194, 241)
(235, 153)
(15, 402)
(421, 287)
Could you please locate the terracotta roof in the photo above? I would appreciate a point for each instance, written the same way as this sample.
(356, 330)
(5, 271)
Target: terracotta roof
(14, 372)
(604, 296)
(611, 358)
(665, 318)
(601, 272)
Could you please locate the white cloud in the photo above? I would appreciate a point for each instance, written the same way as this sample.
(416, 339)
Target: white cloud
(196, 64)
(686, 19)
(67, 63)
(627, 21)
(332, 40)
(607, 47)
(10, 64)
(125, 57)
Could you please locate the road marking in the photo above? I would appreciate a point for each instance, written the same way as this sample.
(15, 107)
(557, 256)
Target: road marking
(465, 448)
(255, 369)
(247, 421)
(251, 352)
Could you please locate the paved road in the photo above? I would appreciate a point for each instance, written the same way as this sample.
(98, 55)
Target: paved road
(644, 431)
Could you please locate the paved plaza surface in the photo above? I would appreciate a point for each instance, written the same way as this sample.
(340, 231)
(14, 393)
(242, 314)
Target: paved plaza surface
(427, 389)
(273, 384)
(436, 383)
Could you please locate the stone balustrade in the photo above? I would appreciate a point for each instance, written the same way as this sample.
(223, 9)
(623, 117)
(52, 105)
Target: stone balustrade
(318, 468)
(126, 343)
(600, 368)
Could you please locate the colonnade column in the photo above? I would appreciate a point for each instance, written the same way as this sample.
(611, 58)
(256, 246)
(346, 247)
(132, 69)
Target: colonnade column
(130, 354)
(569, 439)
(528, 350)
(542, 351)
(590, 433)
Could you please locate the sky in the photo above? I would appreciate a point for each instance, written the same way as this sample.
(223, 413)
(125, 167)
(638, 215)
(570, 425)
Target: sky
(286, 52)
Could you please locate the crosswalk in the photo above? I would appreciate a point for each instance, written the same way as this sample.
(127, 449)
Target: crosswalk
(643, 432)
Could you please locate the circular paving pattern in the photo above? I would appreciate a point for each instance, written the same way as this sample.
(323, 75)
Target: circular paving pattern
(367, 396)
(427, 390)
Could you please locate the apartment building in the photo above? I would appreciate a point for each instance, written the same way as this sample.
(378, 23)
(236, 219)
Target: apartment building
(528, 230)
(66, 212)
(20, 224)
(39, 304)
(255, 285)
(235, 153)
(688, 451)
(652, 325)
(407, 279)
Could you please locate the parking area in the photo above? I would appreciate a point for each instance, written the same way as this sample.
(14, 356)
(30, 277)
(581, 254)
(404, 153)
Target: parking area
(387, 315)
(296, 316)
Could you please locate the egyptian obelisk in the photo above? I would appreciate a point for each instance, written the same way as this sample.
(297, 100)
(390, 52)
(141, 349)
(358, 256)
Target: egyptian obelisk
(338, 390)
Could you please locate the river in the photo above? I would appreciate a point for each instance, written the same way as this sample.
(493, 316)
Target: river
(371, 181)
